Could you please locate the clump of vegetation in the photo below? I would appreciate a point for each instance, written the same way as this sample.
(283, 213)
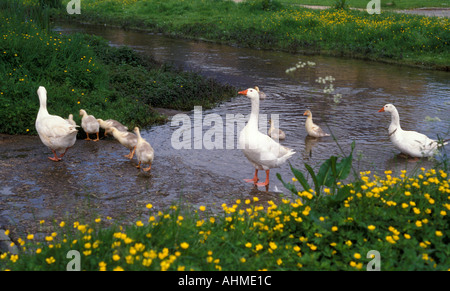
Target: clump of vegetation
(340, 4)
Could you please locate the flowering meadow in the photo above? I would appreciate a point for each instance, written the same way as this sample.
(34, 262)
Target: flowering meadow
(393, 4)
(405, 219)
(392, 37)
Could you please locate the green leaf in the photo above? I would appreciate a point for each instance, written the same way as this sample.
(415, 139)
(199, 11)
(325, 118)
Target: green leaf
(288, 186)
(325, 174)
(300, 177)
(314, 177)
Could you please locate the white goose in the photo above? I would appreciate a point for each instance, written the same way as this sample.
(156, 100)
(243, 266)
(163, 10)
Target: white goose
(311, 128)
(70, 120)
(90, 124)
(411, 143)
(54, 131)
(275, 133)
(127, 139)
(262, 95)
(106, 124)
(144, 151)
(262, 151)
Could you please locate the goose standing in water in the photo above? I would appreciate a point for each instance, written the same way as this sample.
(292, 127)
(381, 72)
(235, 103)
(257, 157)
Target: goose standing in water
(90, 125)
(144, 151)
(261, 150)
(54, 131)
(411, 143)
(262, 95)
(127, 139)
(275, 133)
(70, 120)
(106, 124)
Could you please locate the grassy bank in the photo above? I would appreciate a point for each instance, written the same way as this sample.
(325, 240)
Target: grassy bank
(389, 37)
(82, 72)
(403, 219)
(389, 4)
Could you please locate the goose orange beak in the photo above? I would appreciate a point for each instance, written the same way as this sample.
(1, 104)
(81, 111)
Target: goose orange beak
(381, 110)
(243, 92)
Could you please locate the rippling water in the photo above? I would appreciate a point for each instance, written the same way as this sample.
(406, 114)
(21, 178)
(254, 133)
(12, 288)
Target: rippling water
(419, 96)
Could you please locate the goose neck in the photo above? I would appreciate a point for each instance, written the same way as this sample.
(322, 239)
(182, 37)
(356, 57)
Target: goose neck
(308, 121)
(42, 104)
(254, 115)
(395, 120)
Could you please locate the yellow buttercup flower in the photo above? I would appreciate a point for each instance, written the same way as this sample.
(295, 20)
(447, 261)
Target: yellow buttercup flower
(273, 245)
(50, 260)
(102, 266)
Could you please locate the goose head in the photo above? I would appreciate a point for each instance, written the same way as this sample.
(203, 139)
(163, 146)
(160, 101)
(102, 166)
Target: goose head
(250, 93)
(137, 132)
(388, 108)
(82, 112)
(41, 91)
(307, 113)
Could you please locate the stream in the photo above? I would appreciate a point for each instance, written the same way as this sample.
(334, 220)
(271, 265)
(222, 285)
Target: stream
(96, 180)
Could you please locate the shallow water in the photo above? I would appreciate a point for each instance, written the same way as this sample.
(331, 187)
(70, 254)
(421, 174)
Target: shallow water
(96, 176)
(419, 95)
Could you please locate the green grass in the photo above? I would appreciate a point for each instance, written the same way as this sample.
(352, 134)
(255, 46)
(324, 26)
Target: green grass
(405, 219)
(83, 72)
(388, 37)
(385, 4)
